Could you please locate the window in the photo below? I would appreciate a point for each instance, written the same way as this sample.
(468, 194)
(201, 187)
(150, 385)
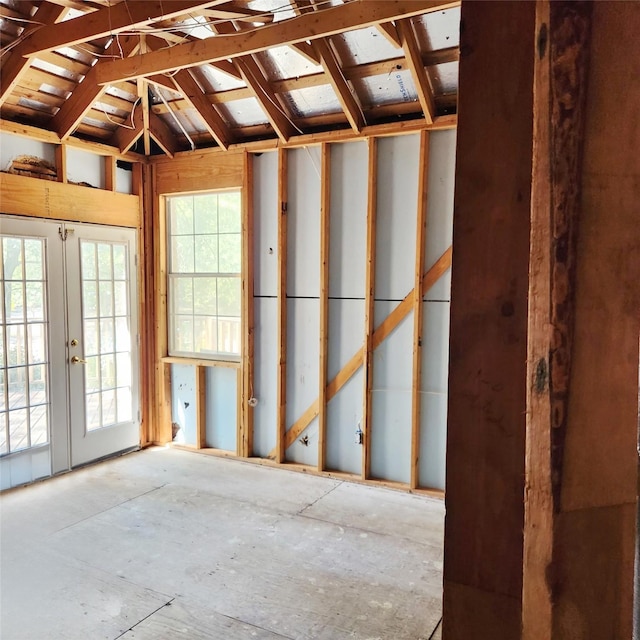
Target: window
(204, 247)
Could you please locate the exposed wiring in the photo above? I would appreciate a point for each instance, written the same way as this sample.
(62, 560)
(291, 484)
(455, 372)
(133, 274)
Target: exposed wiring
(122, 124)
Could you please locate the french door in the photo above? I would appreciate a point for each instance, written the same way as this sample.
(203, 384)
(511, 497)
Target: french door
(68, 346)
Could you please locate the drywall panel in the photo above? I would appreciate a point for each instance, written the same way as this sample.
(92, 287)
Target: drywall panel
(398, 165)
(124, 180)
(265, 211)
(265, 375)
(435, 346)
(391, 400)
(433, 440)
(348, 219)
(303, 335)
(344, 418)
(442, 170)
(183, 402)
(85, 167)
(222, 408)
(303, 214)
(12, 146)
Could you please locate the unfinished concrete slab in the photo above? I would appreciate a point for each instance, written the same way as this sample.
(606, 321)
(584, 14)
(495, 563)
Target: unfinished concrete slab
(171, 544)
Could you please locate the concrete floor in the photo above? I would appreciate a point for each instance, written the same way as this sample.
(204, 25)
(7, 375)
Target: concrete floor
(166, 544)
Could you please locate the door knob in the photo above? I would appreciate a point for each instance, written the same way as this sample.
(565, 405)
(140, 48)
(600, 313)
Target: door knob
(76, 360)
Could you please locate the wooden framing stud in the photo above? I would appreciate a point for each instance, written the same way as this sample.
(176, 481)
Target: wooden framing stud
(282, 306)
(110, 173)
(245, 388)
(201, 407)
(61, 162)
(325, 209)
(369, 307)
(421, 228)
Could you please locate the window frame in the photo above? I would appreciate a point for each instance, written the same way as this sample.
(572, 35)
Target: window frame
(171, 275)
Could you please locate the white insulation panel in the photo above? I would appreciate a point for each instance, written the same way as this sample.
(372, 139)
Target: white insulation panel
(348, 223)
(265, 213)
(398, 166)
(85, 167)
(265, 375)
(396, 216)
(13, 146)
(303, 231)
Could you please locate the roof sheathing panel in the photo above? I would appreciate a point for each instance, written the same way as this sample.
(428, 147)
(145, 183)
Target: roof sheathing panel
(362, 46)
(281, 63)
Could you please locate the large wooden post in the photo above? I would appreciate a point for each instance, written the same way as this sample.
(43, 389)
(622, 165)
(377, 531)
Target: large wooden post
(547, 188)
(584, 324)
(487, 380)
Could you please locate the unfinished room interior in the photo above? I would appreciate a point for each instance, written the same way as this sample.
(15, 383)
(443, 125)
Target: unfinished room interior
(319, 319)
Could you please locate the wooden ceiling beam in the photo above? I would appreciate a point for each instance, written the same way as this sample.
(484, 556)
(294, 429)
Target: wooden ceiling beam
(15, 64)
(390, 32)
(125, 137)
(266, 96)
(160, 131)
(309, 26)
(416, 66)
(347, 99)
(106, 22)
(87, 93)
(157, 43)
(193, 94)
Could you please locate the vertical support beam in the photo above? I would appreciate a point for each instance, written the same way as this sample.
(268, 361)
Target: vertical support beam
(146, 383)
(163, 427)
(282, 306)
(488, 341)
(581, 464)
(201, 407)
(369, 307)
(61, 163)
(325, 216)
(110, 173)
(421, 229)
(245, 439)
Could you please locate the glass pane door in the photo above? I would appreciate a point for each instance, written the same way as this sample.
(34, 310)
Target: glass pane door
(31, 349)
(102, 341)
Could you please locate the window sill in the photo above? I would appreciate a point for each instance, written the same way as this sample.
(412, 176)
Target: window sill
(201, 362)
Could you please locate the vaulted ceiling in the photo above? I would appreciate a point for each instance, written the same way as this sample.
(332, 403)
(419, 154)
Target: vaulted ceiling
(170, 75)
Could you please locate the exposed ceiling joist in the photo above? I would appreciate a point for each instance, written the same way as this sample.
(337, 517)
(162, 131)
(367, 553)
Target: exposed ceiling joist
(126, 137)
(193, 94)
(87, 93)
(162, 135)
(390, 32)
(309, 26)
(106, 22)
(267, 98)
(418, 73)
(15, 64)
(349, 102)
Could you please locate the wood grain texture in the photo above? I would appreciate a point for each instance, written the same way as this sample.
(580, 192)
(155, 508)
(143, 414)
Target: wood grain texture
(488, 346)
(46, 199)
(198, 171)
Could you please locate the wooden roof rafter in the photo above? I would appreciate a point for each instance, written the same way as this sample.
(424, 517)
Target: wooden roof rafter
(418, 73)
(108, 22)
(77, 91)
(89, 91)
(326, 22)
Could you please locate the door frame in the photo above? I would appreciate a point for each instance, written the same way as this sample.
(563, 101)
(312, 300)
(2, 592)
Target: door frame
(60, 422)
